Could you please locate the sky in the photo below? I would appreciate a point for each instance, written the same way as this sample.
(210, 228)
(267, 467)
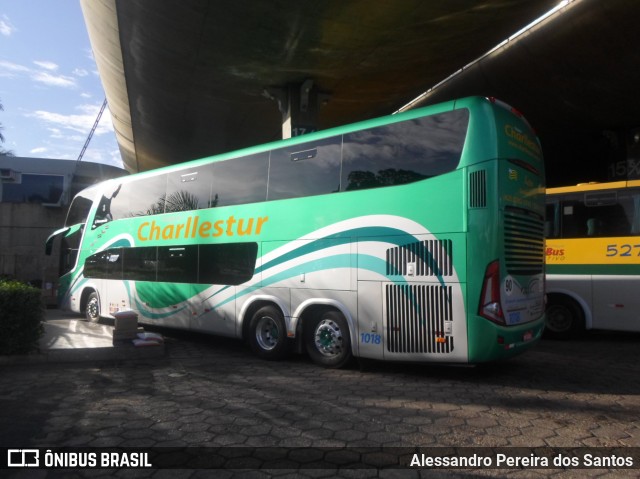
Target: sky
(50, 88)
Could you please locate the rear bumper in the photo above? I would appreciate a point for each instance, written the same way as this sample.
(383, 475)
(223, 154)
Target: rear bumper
(493, 342)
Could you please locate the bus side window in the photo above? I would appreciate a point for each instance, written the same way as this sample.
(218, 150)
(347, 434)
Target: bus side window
(574, 218)
(552, 221)
(189, 189)
(635, 215)
(595, 227)
(106, 264)
(608, 220)
(403, 152)
(240, 180)
(305, 170)
(145, 197)
(231, 263)
(140, 263)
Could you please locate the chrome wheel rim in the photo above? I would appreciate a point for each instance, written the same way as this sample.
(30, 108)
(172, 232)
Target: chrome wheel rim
(328, 338)
(92, 309)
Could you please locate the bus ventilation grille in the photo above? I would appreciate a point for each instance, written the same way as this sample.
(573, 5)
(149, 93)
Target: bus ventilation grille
(416, 318)
(524, 241)
(478, 189)
(426, 258)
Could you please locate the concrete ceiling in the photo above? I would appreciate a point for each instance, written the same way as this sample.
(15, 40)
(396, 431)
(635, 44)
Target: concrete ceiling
(186, 78)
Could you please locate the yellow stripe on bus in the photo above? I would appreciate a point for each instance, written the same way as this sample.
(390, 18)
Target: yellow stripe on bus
(619, 250)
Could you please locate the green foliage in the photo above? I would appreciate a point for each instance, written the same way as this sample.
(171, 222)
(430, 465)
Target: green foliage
(21, 316)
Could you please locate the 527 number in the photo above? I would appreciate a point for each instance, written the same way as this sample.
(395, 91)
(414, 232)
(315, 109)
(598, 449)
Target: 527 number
(623, 250)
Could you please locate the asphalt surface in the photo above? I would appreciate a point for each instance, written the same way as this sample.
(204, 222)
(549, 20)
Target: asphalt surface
(212, 393)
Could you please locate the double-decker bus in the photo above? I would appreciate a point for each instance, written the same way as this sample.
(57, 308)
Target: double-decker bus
(593, 257)
(412, 237)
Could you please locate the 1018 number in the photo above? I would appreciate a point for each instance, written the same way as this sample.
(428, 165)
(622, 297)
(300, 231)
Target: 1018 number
(370, 338)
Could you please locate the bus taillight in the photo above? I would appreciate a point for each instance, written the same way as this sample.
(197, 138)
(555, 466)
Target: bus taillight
(490, 307)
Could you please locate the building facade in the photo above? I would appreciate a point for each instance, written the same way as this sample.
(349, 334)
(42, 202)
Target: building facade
(34, 196)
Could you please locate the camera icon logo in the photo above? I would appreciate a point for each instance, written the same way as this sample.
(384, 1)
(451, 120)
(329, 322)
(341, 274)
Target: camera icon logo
(23, 458)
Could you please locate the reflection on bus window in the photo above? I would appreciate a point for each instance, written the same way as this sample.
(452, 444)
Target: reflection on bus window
(405, 152)
(189, 189)
(240, 180)
(305, 170)
(80, 207)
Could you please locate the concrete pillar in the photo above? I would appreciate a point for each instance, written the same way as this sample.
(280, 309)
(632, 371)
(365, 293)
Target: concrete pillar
(299, 104)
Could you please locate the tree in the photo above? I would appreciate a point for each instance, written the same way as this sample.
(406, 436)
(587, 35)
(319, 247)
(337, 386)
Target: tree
(3, 152)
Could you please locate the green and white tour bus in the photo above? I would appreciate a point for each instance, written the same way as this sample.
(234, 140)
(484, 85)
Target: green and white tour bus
(412, 237)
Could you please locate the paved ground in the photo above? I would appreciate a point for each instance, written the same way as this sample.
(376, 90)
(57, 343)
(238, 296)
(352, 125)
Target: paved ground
(208, 392)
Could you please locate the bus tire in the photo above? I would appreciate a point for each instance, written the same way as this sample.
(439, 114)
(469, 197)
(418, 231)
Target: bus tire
(268, 334)
(327, 339)
(564, 318)
(92, 308)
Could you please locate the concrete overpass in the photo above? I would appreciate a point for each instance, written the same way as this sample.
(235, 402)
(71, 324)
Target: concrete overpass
(190, 78)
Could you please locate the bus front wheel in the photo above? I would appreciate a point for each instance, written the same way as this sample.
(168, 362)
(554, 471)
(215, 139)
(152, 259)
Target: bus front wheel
(268, 333)
(92, 309)
(327, 339)
(564, 318)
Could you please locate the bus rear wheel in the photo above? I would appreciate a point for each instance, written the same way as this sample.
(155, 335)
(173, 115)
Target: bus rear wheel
(268, 333)
(327, 339)
(92, 309)
(564, 318)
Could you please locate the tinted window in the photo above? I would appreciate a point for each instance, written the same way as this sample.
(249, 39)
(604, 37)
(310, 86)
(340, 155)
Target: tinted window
(189, 189)
(394, 154)
(552, 220)
(573, 217)
(240, 180)
(80, 206)
(140, 264)
(69, 247)
(95, 266)
(232, 263)
(107, 200)
(34, 189)
(178, 264)
(105, 265)
(596, 214)
(304, 170)
(403, 152)
(146, 196)
(137, 198)
(227, 263)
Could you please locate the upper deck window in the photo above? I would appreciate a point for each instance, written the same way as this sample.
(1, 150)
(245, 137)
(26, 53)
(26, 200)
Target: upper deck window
(393, 154)
(305, 170)
(240, 180)
(403, 152)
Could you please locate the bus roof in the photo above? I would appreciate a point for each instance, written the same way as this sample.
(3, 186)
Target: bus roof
(465, 102)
